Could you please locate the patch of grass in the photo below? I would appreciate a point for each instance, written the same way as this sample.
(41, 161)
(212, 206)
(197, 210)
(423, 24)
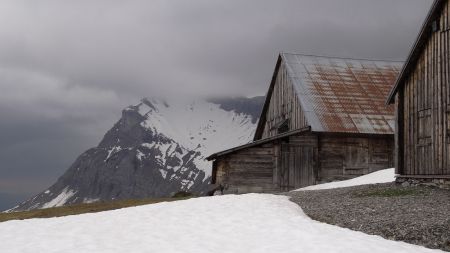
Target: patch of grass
(82, 208)
(390, 193)
(182, 195)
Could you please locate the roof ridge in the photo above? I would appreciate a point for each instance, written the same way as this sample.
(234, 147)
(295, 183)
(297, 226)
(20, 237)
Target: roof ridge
(340, 57)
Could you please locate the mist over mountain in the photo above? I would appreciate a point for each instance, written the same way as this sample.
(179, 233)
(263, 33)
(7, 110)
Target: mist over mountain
(243, 105)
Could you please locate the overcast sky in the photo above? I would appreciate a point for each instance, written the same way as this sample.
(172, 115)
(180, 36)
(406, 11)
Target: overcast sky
(67, 68)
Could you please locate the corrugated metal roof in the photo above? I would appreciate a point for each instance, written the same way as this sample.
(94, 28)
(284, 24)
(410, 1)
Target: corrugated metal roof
(344, 95)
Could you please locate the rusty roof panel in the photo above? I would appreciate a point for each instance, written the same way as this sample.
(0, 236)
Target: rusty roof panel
(344, 95)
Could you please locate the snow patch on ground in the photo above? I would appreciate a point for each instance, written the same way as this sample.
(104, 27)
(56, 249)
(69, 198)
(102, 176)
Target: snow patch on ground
(61, 199)
(245, 223)
(379, 177)
(89, 201)
(10, 210)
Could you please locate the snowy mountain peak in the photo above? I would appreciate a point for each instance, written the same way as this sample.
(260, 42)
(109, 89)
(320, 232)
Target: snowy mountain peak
(197, 125)
(157, 148)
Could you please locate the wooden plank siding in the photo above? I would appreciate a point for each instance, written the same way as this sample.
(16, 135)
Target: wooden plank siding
(302, 160)
(284, 105)
(423, 108)
(248, 170)
(348, 157)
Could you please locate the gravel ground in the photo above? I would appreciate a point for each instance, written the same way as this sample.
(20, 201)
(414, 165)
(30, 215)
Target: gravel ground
(418, 215)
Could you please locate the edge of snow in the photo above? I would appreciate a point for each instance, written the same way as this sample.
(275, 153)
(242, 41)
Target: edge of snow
(378, 177)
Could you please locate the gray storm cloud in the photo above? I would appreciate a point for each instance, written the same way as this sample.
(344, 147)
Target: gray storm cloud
(68, 67)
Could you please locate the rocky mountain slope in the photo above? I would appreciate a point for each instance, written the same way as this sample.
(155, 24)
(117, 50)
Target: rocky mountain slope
(156, 149)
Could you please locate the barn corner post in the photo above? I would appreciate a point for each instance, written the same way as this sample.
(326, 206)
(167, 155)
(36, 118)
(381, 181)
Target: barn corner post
(399, 133)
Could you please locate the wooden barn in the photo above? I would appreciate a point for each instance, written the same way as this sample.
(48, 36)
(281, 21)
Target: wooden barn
(324, 119)
(422, 96)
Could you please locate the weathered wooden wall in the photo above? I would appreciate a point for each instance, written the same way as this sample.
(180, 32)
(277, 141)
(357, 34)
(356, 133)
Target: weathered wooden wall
(303, 160)
(285, 164)
(248, 170)
(423, 140)
(284, 104)
(343, 158)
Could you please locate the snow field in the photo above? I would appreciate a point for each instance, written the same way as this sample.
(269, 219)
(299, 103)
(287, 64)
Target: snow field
(247, 223)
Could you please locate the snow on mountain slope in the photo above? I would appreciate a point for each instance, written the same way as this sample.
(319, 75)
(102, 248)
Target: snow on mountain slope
(244, 223)
(197, 125)
(156, 149)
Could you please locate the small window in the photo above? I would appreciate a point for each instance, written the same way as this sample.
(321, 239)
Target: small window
(284, 127)
(448, 123)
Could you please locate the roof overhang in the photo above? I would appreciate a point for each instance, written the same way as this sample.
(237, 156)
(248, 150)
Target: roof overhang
(296, 132)
(355, 135)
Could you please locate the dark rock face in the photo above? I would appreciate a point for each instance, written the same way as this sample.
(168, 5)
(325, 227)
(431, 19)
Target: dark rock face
(122, 168)
(132, 161)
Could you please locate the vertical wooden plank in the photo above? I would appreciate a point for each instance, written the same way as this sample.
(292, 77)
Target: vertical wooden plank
(276, 168)
(307, 166)
(438, 106)
(435, 108)
(301, 163)
(311, 175)
(406, 127)
(444, 68)
(441, 104)
(417, 113)
(294, 166)
(433, 104)
(443, 92)
(409, 130)
(284, 172)
(413, 121)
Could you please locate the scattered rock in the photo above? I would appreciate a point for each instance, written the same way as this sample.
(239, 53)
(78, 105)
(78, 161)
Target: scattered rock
(406, 184)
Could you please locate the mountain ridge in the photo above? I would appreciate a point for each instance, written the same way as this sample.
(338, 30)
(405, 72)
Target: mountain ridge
(156, 149)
